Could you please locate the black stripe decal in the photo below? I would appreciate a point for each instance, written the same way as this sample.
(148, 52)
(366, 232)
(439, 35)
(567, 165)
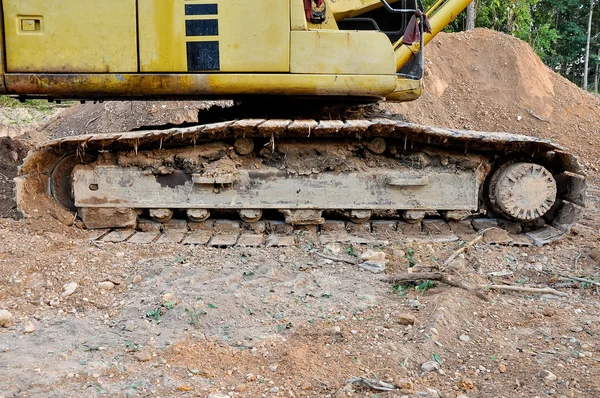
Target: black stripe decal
(202, 27)
(203, 55)
(201, 9)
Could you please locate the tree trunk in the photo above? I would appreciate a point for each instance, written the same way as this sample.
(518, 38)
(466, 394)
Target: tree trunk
(597, 75)
(587, 48)
(471, 16)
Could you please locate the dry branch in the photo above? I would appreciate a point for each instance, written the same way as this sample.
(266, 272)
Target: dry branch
(527, 290)
(460, 250)
(434, 276)
(334, 258)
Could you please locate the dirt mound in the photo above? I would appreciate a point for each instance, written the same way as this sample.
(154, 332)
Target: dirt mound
(485, 80)
(12, 153)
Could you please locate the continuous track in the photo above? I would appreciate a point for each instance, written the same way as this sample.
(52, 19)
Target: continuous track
(40, 189)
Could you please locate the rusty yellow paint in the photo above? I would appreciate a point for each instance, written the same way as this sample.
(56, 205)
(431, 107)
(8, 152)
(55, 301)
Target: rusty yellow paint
(341, 52)
(198, 85)
(406, 90)
(351, 8)
(298, 16)
(73, 36)
(254, 36)
(162, 35)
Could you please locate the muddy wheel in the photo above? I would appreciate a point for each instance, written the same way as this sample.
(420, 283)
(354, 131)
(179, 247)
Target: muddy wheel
(360, 216)
(522, 191)
(198, 215)
(161, 215)
(250, 215)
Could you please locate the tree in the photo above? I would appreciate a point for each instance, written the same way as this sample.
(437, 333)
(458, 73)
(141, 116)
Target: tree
(471, 15)
(586, 60)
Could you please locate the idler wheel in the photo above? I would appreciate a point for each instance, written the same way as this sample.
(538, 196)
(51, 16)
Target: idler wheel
(522, 191)
(161, 215)
(360, 216)
(250, 215)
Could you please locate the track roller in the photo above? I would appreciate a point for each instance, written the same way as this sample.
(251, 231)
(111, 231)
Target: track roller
(161, 215)
(250, 215)
(360, 216)
(198, 215)
(243, 146)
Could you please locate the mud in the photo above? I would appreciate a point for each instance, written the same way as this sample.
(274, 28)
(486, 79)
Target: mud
(12, 153)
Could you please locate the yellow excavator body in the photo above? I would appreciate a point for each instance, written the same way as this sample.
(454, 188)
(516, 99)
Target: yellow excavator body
(282, 150)
(115, 49)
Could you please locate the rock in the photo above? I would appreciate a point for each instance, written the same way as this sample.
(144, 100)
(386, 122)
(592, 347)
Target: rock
(375, 268)
(29, 328)
(69, 289)
(548, 311)
(431, 392)
(373, 255)
(115, 280)
(6, 319)
(241, 388)
(595, 254)
(143, 356)
(407, 319)
(213, 395)
(273, 368)
(106, 285)
(405, 385)
(547, 375)
(129, 326)
(576, 329)
(54, 302)
(137, 279)
(274, 389)
(465, 338)
(502, 368)
(466, 384)
(430, 366)
(169, 298)
(336, 330)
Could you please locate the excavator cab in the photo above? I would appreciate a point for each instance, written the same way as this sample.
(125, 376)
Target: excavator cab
(118, 49)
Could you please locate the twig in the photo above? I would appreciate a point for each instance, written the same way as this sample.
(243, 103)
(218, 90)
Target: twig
(334, 258)
(435, 276)
(573, 278)
(577, 260)
(92, 120)
(459, 251)
(527, 290)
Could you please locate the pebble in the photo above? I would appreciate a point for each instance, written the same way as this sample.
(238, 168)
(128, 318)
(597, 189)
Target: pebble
(143, 356)
(577, 329)
(465, 338)
(430, 366)
(241, 388)
(137, 279)
(595, 254)
(274, 389)
(213, 395)
(502, 368)
(273, 368)
(404, 384)
(169, 298)
(546, 374)
(54, 302)
(373, 255)
(336, 330)
(373, 267)
(6, 319)
(406, 319)
(106, 285)
(129, 326)
(29, 328)
(69, 289)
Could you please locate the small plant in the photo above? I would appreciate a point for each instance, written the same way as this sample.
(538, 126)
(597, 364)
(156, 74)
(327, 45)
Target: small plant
(154, 314)
(425, 286)
(410, 257)
(437, 358)
(132, 346)
(399, 290)
(404, 363)
(350, 251)
(195, 316)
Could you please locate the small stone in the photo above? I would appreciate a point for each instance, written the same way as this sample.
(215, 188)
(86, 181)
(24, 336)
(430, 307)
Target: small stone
(405, 385)
(577, 329)
(69, 289)
(430, 366)
(6, 319)
(502, 368)
(137, 279)
(106, 285)
(169, 298)
(465, 338)
(595, 254)
(129, 326)
(29, 328)
(373, 255)
(273, 368)
(143, 356)
(548, 311)
(407, 319)
(241, 388)
(274, 389)
(213, 395)
(251, 377)
(546, 374)
(336, 330)
(54, 302)
(466, 384)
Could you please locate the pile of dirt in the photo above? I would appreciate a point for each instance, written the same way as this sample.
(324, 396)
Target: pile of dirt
(12, 153)
(489, 81)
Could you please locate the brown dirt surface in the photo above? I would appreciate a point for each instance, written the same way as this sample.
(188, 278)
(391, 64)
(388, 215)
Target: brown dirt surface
(12, 153)
(489, 81)
(190, 321)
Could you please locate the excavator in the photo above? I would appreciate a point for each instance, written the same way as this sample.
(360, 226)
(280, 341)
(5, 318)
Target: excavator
(304, 140)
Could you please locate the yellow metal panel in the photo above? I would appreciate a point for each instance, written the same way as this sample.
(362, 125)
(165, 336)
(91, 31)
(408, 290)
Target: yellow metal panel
(342, 52)
(352, 8)
(329, 22)
(197, 85)
(162, 36)
(298, 18)
(70, 36)
(254, 36)
(406, 90)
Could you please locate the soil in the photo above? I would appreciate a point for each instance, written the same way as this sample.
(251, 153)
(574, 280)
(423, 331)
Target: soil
(192, 321)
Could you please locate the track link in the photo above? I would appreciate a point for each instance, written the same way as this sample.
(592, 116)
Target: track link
(38, 191)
